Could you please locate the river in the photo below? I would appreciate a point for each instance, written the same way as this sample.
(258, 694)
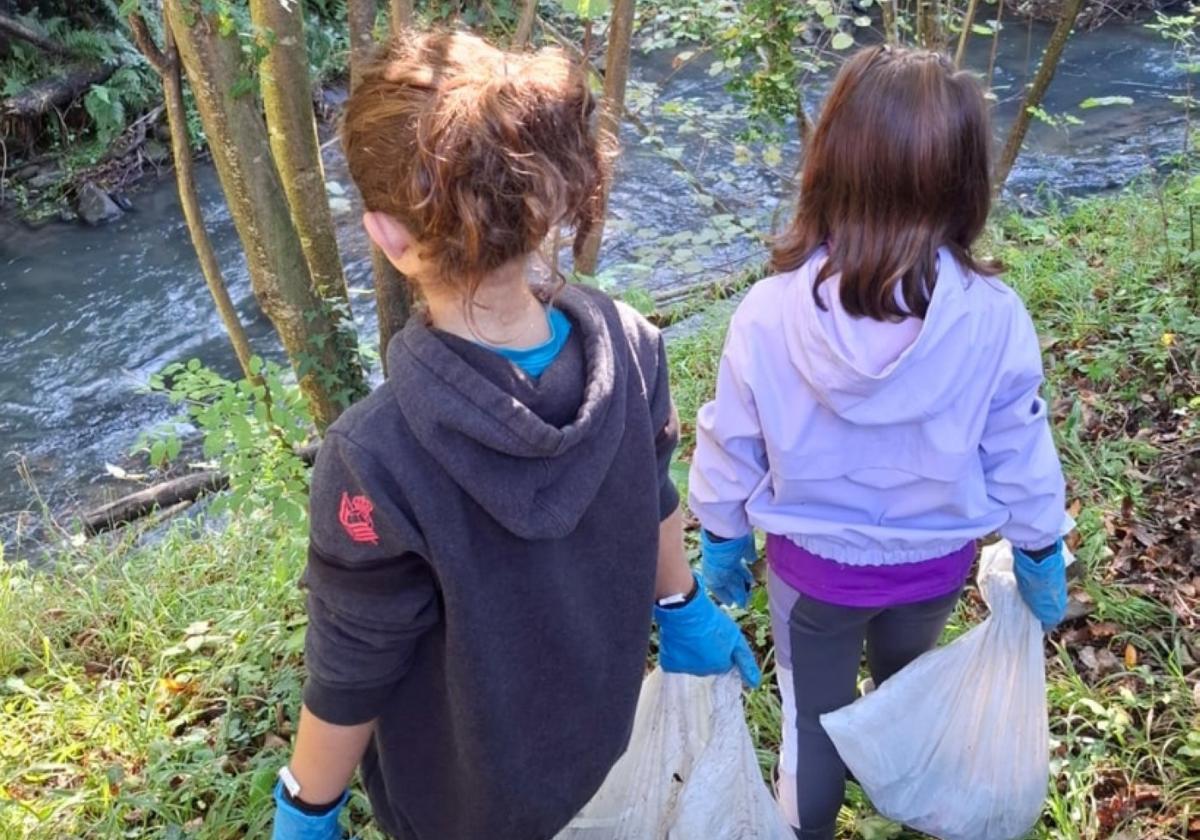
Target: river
(87, 315)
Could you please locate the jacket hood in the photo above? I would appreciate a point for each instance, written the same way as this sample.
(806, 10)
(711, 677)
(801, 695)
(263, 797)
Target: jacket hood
(498, 433)
(876, 373)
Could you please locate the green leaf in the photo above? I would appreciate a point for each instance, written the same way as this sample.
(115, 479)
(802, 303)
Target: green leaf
(586, 9)
(640, 300)
(1105, 101)
(842, 41)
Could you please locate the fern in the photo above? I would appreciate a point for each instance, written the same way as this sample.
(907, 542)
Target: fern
(107, 112)
(89, 44)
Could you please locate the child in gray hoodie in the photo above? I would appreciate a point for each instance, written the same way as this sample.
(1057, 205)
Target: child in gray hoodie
(492, 526)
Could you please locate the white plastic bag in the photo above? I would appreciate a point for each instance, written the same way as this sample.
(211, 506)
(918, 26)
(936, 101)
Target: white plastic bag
(690, 772)
(956, 744)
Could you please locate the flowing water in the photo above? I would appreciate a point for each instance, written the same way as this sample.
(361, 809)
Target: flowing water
(87, 315)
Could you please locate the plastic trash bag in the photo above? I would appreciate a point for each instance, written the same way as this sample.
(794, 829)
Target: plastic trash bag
(690, 772)
(956, 744)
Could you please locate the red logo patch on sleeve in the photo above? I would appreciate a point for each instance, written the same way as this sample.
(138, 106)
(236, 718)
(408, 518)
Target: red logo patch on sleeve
(355, 516)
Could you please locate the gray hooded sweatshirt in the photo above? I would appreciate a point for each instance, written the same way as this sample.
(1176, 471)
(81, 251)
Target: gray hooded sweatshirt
(481, 572)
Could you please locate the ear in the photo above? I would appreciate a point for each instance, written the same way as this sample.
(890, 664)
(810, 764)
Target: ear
(389, 234)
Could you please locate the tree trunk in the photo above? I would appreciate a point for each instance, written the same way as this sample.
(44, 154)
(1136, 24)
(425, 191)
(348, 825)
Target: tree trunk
(968, 23)
(393, 295)
(402, 15)
(287, 100)
(166, 63)
(991, 71)
(525, 25)
(804, 126)
(929, 24)
(1037, 90)
(616, 74)
(329, 373)
(393, 301)
(891, 31)
(360, 17)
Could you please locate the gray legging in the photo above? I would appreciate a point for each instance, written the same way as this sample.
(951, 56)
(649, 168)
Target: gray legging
(819, 648)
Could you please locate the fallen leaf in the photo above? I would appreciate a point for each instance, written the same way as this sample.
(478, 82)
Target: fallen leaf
(1131, 657)
(170, 685)
(198, 628)
(1108, 661)
(1075, 636)
(1079, 606)
(1146, 795)
(195, 643)
(271, 741)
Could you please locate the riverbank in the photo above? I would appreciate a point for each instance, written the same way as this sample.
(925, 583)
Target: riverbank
(152, 678)
(90, 314)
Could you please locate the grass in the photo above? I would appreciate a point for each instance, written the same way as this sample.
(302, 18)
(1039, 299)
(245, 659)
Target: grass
(150, 684)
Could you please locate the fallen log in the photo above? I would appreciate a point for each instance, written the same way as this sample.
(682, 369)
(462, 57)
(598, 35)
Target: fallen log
(186, 488)
(182, 490)
(13, 28)
(43, 96)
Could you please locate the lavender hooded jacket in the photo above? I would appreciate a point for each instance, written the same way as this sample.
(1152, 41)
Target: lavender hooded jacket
(876, 443)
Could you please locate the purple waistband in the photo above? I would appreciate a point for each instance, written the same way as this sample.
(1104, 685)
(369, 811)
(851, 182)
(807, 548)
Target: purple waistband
(868, 586)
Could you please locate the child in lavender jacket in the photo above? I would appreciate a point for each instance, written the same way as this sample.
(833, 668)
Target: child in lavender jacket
(877, 409)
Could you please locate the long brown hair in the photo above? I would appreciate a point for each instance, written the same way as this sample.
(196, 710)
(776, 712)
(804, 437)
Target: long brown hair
(480, 153)
(898, 167)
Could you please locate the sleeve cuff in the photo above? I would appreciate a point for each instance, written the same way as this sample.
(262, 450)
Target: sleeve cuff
(346, 706)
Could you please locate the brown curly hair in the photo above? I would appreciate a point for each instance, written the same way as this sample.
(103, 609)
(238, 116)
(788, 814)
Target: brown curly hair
(479, 152)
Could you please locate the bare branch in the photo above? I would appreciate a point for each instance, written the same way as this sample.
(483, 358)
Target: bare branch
(968, 23)
(1037, 90)
(145, 44)
(13, 28)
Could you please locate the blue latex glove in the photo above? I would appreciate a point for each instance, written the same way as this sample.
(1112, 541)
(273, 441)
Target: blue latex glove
(726, 567)
(701, 639)
(1043, 584)
(293, 824)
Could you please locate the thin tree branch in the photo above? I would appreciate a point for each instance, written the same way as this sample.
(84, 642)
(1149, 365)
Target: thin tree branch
(1037, 90)
(13, 28)
(991, 73)
(967, 24)
(146, 45)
